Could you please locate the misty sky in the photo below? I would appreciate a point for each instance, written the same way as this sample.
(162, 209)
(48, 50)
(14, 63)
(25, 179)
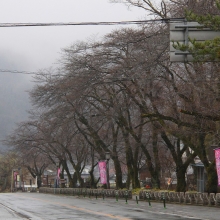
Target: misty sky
(35, 48)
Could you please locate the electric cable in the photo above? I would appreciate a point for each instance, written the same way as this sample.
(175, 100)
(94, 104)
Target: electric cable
(17, 71)
(164, 20)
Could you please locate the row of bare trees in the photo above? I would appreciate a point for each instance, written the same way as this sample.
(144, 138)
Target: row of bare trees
(122, 95)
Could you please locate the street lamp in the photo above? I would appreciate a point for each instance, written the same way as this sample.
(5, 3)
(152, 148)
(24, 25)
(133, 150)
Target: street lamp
(107, 157)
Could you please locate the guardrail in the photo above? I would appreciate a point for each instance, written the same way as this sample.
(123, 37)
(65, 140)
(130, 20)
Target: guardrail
(30, 189)
(88, 192)
(189, 198)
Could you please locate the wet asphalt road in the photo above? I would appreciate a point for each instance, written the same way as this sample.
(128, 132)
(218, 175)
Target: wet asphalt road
(36, 206)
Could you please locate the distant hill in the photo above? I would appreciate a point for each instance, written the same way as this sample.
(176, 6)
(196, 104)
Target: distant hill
(14, 98)
(14, 102)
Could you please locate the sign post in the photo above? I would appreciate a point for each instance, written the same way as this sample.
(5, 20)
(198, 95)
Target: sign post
(181, 32)
(116, 194)
(126, 196)
(103, 195)
(164, 199)
(148, 198)
(137, 200)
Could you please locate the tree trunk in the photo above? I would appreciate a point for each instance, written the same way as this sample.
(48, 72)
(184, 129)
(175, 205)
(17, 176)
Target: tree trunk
(93, 183)
(79, 178)
(155, 180)
(92, 180)
(128, 181)
(117, 164)
(135, 179)
(157, 169)
(73, 182)
(181, 179)
(129, 157)
(38, 181)
(62, 177)
(212, 179)
(118, 173)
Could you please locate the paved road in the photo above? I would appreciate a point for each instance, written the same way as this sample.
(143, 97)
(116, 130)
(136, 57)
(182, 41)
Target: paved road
(37, 206)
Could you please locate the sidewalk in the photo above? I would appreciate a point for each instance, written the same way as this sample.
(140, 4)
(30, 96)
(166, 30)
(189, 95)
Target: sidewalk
(184, 211)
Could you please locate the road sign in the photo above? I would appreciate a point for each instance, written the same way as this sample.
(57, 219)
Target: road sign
(181, 32)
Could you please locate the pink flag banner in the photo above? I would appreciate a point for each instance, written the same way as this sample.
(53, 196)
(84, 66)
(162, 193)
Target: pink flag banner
(217, 162)
(15, 176)
(102, 172)
(58, 173)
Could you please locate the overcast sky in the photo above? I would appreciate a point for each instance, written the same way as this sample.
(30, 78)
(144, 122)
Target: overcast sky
(35, 48)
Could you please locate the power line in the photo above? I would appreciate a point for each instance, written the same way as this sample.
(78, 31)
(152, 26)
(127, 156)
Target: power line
(167, 20)
(112, 79)
(17, 71)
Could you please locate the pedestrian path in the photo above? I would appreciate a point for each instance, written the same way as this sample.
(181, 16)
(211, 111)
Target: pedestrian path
(185, 212)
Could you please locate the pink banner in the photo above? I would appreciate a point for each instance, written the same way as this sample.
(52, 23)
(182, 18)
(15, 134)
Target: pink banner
(102, 172)
(58, 173)
(15, 175)
(217, 161)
